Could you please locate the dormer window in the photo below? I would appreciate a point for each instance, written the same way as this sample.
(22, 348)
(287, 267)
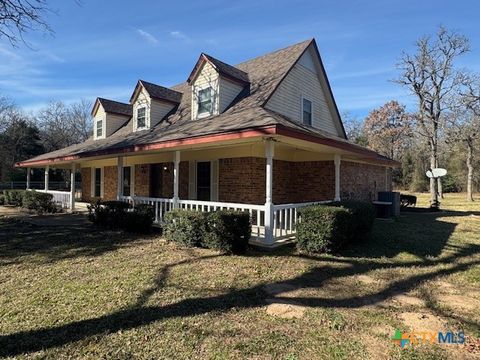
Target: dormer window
(99, 128)
(141, 118)
(205, 101)
(307, 112)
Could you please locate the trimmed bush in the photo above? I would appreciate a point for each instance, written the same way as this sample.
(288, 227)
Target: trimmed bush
(40, 202)
(228, 231)
(184, 227)
(14, 197)
(146, 209)
(324, 228)
(363, 216)
(137, 222)
(116, 215)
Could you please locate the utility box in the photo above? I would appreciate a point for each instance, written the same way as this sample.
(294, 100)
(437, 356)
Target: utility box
(394, 198)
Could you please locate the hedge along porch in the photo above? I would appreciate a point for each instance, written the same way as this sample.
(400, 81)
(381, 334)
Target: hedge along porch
(271, 177)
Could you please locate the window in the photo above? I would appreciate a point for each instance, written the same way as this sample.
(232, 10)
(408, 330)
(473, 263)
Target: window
(205, 102)
(98, 183)
(141, 117)
(203, 181)
(127, 181)
(307, 112)
(99, 128)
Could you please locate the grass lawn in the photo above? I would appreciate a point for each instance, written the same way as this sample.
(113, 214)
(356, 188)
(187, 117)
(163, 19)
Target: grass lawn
(82, 293)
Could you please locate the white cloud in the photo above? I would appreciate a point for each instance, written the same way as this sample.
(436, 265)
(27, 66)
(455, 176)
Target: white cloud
(180, 35)
(147, 36)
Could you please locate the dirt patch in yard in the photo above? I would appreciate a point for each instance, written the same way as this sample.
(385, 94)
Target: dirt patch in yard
(422, 321)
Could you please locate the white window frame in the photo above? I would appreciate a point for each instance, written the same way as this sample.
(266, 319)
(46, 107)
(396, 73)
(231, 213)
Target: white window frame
(311, 111)
(132, 178)
(99, 121)
(102, 182)
(197, 101)
(146, 117)
(214, 179)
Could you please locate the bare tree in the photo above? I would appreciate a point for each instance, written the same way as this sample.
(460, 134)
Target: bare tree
(18, 17)
(63, 125)
(81, 119)
(465, 125)
(354, 128)
(431, 77)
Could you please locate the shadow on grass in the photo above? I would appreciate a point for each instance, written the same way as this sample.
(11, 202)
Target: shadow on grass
(45, 244)
(458, 260)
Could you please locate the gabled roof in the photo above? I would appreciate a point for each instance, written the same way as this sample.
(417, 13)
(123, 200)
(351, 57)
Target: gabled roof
(157, 92)
(112, 107)
(265, 73)
(224, 69)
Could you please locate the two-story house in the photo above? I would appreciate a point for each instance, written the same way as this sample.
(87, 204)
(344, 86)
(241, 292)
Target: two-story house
(264, 136)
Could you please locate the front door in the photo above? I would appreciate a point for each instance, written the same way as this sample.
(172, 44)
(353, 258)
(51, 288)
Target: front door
(203, 180)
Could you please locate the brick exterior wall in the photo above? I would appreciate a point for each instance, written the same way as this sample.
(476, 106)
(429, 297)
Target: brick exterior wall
(86, 184)
(242, 180)
(141, 184)
(362, 181)
(110, 183)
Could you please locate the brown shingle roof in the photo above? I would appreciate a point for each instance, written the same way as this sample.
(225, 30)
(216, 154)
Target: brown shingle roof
(265, 73)
(115, 107)
(223, 69)
(158, 92)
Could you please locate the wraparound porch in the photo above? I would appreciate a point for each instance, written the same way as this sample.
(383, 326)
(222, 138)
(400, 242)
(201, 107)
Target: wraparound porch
(269, 178)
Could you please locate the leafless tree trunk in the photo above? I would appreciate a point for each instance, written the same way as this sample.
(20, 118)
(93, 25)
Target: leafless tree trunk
(430, 76)
(469, 170)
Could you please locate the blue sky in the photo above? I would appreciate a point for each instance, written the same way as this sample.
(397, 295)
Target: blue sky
(101, 48)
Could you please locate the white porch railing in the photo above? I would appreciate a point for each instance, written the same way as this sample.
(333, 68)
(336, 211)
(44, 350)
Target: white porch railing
(61, 198)
(160, 205)
(285, 216)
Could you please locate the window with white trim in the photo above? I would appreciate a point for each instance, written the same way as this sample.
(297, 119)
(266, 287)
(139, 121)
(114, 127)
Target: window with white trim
(127, 181)
(97, 191)
(307, 112)
(141, 117)
(99, 128)
(205, 101)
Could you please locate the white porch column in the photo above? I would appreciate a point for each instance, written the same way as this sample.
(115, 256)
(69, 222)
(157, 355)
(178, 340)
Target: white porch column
(337, 161)
(28, 178)
(120, 177)
(176, 173)
(269, 215)
(72, 188)
(47, 170)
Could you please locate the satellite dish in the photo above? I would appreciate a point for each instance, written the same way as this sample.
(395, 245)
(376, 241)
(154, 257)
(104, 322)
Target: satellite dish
(436, 173)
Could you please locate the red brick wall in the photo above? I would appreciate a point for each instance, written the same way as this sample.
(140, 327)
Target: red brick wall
(361, 181)
(86, 184)
(110, 183)
(243, 180)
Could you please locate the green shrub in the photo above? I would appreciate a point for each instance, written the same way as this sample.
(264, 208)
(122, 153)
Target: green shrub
(2, 199)
(363, 216)
(40, 202)
(137, 222)
(184, 227)
(116, 215)
(228, 231)
(146, 209)
(107, 214)
(324, 228)
(14, 197)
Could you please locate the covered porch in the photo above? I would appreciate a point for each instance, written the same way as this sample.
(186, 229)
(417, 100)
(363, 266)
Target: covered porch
(270, 177)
